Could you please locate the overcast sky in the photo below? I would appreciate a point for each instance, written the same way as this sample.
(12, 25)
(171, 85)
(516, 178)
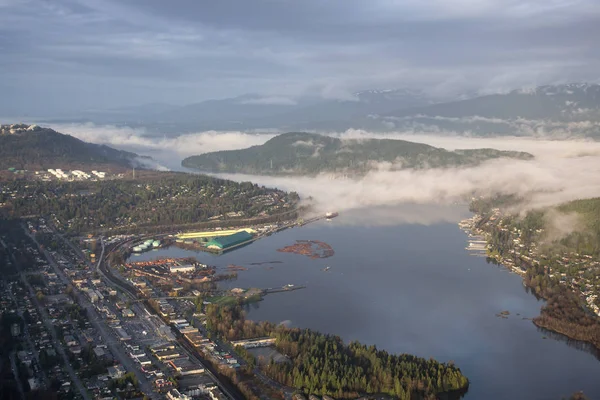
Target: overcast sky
(60, 55)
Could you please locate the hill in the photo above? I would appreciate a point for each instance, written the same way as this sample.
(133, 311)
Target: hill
(300, 153)
(154, 201)
(35, 148)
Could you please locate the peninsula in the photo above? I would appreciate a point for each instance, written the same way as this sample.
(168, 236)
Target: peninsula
(564, 271)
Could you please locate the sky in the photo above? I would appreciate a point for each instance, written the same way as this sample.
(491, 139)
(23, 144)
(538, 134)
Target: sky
(72, 55)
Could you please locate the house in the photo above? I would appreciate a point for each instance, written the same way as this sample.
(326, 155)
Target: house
(116, 372)
(70, 340)
(99, 352)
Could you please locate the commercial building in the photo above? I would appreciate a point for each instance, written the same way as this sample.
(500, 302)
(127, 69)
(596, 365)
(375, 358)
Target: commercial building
(186, 367)
(196, 339)
(225, 242)
(143, 360)
(175, 395)
(157, 348)
(123, 335)
(128, 313)
(168, 355)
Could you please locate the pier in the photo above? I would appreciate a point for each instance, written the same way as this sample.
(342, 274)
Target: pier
(286, 288)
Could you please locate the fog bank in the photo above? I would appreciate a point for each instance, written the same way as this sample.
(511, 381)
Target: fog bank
(562, 170)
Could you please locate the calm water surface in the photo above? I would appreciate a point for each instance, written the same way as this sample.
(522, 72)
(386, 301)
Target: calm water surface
(414, 289)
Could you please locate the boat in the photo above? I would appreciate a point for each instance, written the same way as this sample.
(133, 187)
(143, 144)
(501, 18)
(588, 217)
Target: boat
(326, 268)
(331, 215)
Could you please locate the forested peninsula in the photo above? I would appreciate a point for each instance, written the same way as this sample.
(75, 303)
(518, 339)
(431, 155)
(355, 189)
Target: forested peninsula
(324, 365)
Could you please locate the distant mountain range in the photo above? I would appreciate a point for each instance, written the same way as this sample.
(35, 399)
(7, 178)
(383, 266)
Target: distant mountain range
(572, 109)
(253, 111)
(35, 148)
(560, 110)
(301, 153)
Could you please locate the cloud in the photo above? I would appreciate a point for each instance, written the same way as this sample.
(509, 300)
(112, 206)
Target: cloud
(167, 150)
(558, 225)
(562, 171)
(104, 52)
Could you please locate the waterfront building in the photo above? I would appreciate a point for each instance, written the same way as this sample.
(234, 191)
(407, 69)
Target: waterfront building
(225, 242)
(182, 268)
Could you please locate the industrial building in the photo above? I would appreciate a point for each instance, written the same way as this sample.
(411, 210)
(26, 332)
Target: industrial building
(182, 268)
(225, 242)
(212, 234)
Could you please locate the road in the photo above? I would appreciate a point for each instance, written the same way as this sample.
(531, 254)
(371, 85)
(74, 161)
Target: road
(13, 365)
(55, 342)
(96, 320)
(287, 391)
(27, 336)
(228, 389)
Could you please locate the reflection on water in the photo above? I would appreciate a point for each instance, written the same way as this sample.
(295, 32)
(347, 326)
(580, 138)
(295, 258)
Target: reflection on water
(576, 344)
(414, 289)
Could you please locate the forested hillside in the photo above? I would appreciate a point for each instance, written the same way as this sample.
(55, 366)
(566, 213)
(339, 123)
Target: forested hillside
(34, 148)
(300, 153)
(561, 267)
(166, 199)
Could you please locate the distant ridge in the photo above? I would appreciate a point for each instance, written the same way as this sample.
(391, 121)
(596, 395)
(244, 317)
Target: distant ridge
(561, 110)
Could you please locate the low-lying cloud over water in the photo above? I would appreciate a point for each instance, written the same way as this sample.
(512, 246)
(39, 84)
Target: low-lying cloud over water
(562, 170)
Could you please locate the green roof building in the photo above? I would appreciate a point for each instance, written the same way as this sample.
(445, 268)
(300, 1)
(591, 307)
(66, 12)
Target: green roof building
(225, 242)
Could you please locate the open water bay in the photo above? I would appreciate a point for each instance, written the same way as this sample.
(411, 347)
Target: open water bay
(410, 288)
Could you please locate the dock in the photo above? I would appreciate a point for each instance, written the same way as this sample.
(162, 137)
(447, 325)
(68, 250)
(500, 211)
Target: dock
(286, 288)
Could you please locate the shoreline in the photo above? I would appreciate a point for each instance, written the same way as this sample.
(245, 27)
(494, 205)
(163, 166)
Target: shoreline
(541, 321)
